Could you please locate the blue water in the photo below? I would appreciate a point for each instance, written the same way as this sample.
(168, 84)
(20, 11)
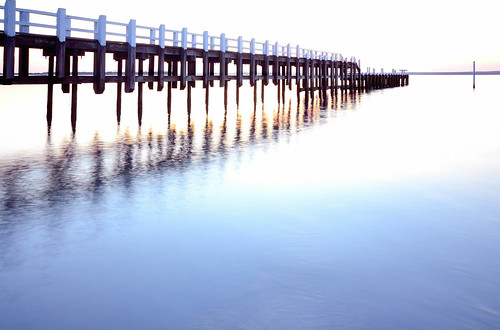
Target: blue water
(379, 211)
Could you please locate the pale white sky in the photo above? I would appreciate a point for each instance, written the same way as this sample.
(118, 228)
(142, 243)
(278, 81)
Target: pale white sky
(425, 35)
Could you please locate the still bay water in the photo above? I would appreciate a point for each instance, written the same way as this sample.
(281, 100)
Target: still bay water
(380, 210)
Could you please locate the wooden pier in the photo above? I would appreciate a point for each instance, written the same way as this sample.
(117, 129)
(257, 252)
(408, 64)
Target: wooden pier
(173, 59)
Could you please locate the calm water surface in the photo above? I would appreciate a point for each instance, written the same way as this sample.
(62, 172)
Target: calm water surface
(379, 211)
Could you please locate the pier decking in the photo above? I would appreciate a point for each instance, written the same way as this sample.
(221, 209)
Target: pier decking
(174, 59)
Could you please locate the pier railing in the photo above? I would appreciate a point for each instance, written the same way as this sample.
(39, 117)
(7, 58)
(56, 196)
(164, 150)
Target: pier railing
(62, 25)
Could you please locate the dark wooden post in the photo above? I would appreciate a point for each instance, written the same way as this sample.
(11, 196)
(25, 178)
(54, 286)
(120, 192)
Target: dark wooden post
(119, 92)
(50, 91)
(175, 72)
(183, 62)
(191, 83)
(169, 87)
(206, 66)
(74, 92)
(140, 91)
(65, 87)
(151, 70)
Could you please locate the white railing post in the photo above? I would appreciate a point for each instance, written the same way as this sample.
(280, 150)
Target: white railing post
(252, 46)
(223, 45)
(61, 24)
(240, 45)
(265, 48)
(205, 41)
(297, 51)
(212, 43)
(193, 41)
(131, 33)
(9, 13)
(275, 49)
(288, 51)
(184, 39)
(152, 36)
(24, 20)
(100, 30)
(176, 39)
(161, 36)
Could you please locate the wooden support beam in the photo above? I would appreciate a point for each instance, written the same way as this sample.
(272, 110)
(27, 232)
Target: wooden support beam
(99, 69)
(74, 93)
(9, 47)
(253, 69)
(222, 69)
(140, 92)
(275, 70)
(239, 71)
(207, 97)
(119, 92)
(50, 91)
(183, 61)
(67, 69)
(206, 67)
(289, 73)
(151, 70)
(192, 71)
(161, 69)
(175, 72)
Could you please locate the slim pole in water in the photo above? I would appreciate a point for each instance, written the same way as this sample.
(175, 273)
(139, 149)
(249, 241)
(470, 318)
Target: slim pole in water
(474, 74)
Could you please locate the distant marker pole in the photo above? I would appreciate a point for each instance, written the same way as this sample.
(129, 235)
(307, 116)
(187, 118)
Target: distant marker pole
(474, 74)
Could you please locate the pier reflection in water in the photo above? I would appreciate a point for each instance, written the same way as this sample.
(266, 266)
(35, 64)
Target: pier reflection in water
(379, 209)
(170, 143)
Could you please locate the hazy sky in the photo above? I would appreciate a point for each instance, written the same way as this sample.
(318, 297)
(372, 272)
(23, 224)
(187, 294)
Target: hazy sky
(420, 35)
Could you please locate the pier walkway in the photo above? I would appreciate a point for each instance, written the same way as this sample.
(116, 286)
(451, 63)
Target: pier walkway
(166, 59)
